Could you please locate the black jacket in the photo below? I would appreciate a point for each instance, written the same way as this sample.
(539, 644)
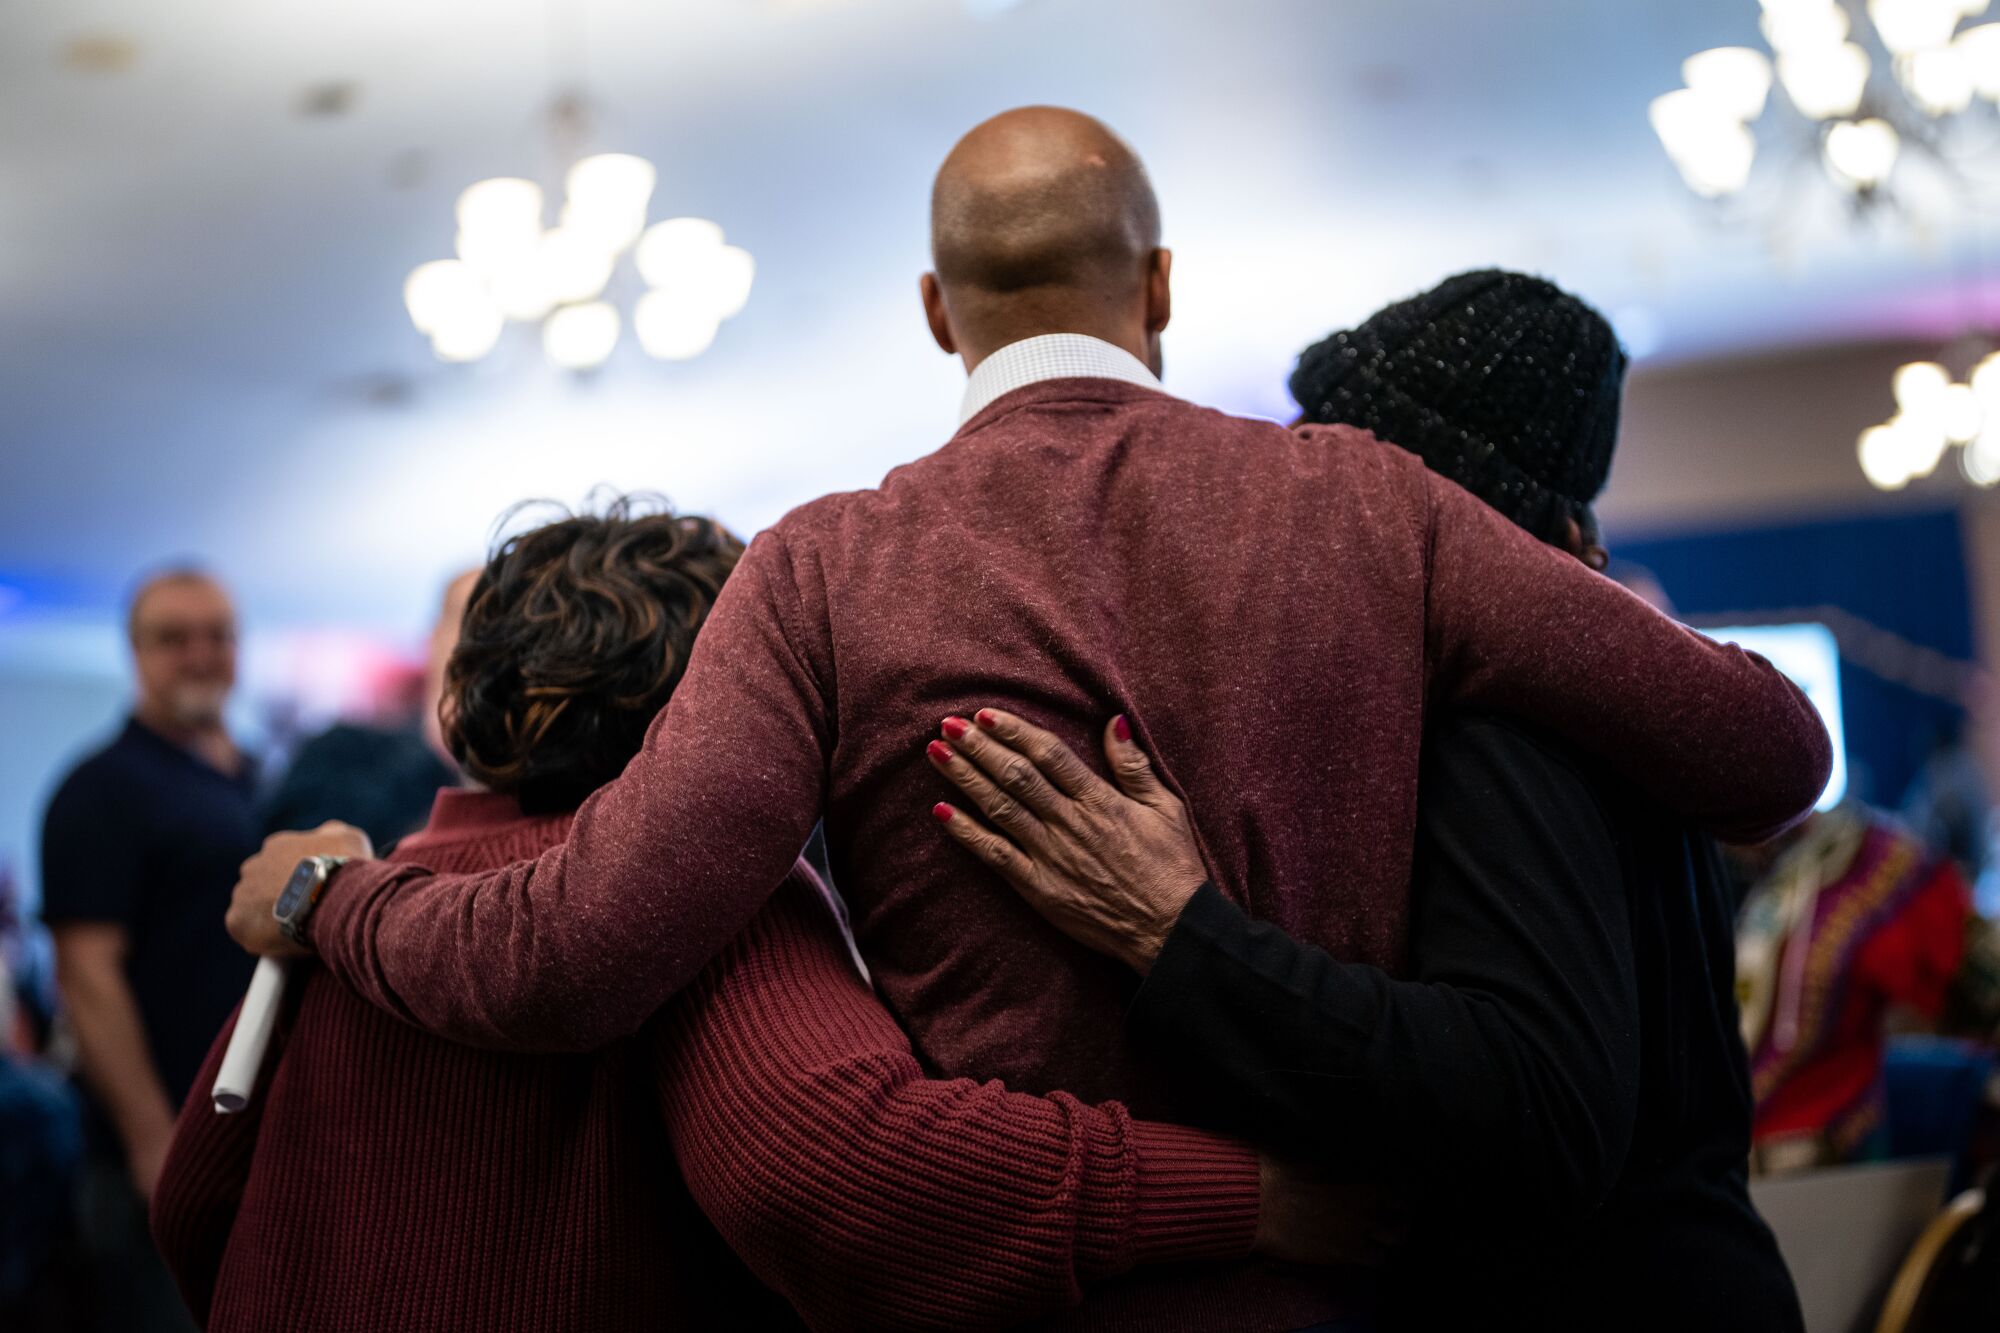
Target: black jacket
(1559, 1086)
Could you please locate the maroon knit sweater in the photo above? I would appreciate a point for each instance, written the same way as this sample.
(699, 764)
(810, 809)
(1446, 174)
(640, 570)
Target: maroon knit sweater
(387, 1179)
(1276, 610)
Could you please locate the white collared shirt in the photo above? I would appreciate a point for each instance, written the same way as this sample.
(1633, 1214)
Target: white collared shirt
(1052, 356)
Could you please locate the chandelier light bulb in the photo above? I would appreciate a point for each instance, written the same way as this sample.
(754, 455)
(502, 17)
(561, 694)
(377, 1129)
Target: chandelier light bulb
(469, 331)
(1792, 26)
(1825, 83)
(522, 289)
(581, 337)
(672, 328)
(1980, 460)
(1861, 154)
(1909, 26)
(610, 229)
(1735, 78)
(1921, 445)
(493, 253)
(1980, 48)
(1920, 386)
(1939, 80)
(1713, 149)
(1882, 459)
(676, 251)
(616, 183)
(1960, 413)
(504, 207)
(572, 266)
(731, 273)
(1985, 382)
(436, 291)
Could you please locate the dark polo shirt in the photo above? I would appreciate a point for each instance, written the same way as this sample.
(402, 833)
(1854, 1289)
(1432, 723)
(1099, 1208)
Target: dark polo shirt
(148, 836)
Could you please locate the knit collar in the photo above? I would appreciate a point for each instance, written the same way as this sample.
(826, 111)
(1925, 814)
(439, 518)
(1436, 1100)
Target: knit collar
(1052, 356)
(460, 812)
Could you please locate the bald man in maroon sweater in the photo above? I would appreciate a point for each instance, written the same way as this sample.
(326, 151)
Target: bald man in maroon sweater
(1276, 611)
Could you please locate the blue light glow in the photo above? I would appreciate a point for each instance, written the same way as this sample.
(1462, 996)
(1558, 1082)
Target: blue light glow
(1808, 654)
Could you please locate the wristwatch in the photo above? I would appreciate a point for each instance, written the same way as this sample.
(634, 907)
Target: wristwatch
(295, 905)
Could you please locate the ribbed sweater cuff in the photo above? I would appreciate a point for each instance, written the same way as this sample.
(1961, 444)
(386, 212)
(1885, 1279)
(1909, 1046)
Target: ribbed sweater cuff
(1194, 1197)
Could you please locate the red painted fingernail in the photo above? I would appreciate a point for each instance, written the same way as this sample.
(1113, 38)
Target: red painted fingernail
(986, 718)
(1122, 727)
(956, 727)
(942, 813)
(939, 751)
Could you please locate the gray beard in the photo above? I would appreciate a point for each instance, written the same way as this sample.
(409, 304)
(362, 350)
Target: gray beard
(196, 707)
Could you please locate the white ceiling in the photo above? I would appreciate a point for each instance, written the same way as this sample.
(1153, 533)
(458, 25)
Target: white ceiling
(200, 286)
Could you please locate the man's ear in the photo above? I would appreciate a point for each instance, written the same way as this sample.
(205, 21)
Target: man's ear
(1159, 289)
(935, 313)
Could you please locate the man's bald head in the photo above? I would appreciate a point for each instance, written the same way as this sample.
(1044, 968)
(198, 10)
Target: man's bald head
(1043, 221)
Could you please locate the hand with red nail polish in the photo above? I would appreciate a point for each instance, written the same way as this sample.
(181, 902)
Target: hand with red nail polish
(1111, 866)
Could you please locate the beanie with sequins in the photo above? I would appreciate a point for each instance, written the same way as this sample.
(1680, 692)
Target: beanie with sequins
(1502, 382)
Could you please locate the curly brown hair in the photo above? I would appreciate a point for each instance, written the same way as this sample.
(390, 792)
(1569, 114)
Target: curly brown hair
(574, 638)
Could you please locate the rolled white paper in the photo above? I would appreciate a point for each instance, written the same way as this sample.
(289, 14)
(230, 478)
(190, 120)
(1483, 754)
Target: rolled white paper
(252, 1037)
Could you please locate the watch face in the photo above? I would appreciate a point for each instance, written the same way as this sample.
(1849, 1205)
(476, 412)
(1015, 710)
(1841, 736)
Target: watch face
(298, 891)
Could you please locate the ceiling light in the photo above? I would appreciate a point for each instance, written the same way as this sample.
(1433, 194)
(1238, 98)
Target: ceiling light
(1882, 459)
(1959, 414)
(1919, 385)
(581, 337)
(1736, 79)
(469, 331)
(505, 206)
(1825, 82)
(1861, 154)
(671, 252)
(1909, 26)
(1713, 150)
(435, 291)
(573, 266)
(1804, 25)
(510, 268)
(1980, 460)
(1981, 48)
(671, 328)
(1939, 80)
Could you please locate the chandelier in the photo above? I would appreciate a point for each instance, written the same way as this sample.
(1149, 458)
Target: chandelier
(511, 268)
(1935, 414)
(1857, 125)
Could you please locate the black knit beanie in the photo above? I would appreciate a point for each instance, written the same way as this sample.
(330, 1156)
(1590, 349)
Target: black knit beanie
(1502, 382)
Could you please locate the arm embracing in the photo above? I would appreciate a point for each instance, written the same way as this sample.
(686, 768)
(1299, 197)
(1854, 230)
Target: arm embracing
(662, 866)
(1716, 734)
(874, 1197)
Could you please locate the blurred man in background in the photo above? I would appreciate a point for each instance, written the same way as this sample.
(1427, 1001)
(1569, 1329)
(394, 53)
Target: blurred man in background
(140, 847)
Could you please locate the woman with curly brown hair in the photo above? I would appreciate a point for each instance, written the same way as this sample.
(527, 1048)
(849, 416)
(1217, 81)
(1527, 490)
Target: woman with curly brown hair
(386, 1179)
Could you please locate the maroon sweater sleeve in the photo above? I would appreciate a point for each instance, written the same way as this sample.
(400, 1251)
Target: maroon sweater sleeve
(662, 866)
(873, 1197)
(1714, 733)
(202, 1181)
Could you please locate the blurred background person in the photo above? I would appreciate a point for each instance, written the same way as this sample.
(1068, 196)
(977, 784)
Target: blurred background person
(140, 847)
(380, 774)
(41, 1145)
(1853, 931)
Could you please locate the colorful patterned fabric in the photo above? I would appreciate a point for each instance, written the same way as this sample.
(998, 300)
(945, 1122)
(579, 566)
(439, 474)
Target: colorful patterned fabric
(1856, 921)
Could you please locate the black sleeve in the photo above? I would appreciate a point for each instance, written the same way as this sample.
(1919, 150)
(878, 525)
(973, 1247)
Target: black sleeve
(91, 866)
(1508, 1065)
